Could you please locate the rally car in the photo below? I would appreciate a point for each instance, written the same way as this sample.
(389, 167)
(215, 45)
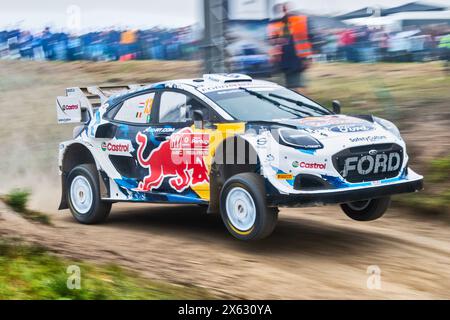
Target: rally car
(238, 146)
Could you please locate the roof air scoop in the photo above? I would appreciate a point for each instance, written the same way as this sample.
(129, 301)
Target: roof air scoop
(227, 78)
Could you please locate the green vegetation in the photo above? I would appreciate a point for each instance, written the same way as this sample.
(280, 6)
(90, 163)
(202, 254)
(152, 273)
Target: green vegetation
(440, 170)
(436, 196)
(30, 272)
(433, 203)
(17, 199)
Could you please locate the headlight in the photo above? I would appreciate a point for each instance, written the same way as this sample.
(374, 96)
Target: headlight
(389, 126)
(298, 139)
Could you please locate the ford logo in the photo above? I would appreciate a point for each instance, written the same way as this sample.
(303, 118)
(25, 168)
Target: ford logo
(351, 128)
(373, 152)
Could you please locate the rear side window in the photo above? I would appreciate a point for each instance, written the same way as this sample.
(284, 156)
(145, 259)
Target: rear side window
(173, 107)
(137, 109)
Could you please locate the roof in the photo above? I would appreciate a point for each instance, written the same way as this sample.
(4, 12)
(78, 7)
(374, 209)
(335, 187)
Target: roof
(412, 7)
(325, 22)
(360, 13)
(394, 21)
(208, 83)
(408, 7)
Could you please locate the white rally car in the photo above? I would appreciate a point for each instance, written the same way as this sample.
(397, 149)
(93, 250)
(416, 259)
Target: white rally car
(238, 146)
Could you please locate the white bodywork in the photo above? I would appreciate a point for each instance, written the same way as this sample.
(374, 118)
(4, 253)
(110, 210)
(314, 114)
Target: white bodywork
(279, 163)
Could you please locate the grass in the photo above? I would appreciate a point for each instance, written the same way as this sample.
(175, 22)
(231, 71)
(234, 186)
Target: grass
(17, 199)
(440, 170)
(31, 273)
(436, 196)
(438, 203)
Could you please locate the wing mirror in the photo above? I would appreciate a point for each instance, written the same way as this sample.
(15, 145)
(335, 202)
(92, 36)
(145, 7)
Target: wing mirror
(336, 106)
(106, 131)
(198, 118)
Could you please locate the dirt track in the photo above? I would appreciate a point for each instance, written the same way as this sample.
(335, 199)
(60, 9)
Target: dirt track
(314, 253)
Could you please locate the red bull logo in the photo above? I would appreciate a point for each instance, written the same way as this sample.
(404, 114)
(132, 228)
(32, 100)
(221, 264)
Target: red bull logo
(180, 157)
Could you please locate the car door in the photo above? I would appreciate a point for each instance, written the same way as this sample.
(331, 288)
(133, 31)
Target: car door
(132, 117)
(167, 162)
(177, 165)
(180, 158)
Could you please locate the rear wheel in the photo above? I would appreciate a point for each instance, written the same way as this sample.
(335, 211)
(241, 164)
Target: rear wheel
(366, 210)
(243, 207)
(83, 195)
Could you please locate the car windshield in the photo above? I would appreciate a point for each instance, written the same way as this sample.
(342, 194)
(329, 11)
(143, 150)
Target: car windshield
(266, 104)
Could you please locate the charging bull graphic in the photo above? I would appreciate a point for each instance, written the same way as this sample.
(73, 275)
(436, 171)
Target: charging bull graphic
(180, 157)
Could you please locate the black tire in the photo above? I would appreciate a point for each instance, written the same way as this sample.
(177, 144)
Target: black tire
(265, 217)
(366, 210)
(98, 210)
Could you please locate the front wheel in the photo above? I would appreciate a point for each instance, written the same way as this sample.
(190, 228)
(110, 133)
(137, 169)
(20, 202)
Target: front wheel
(366, 210)
(83, 195)
(243, 207)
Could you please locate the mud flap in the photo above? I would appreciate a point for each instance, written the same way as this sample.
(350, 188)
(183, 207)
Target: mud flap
(104, 189)
(63, 204)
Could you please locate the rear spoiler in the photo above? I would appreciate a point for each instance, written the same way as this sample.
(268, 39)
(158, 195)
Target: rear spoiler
(80, 103)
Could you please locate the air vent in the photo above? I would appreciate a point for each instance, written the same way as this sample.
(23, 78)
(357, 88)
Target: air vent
(227, 78)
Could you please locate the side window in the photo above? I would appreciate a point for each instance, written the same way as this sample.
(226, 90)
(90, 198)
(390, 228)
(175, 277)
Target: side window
(194, 104)
(173, 107)
(137, 109)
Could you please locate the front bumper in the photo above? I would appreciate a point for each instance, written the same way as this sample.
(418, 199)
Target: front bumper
(335, 197)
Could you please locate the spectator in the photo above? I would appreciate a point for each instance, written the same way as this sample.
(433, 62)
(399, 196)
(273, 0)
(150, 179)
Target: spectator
(444, 47)
(128, 40)
(289, 35)
(347, 42)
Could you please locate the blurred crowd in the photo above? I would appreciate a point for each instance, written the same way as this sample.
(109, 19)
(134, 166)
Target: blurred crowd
(364, 44)
(353, 44)
(155, 43)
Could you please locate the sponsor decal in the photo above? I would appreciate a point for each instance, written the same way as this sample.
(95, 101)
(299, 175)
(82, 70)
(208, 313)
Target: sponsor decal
(311, 165)
(339, 124)
(230, 86)
(322, 131)
(295, 164)
(350, 128)
(370, 139)
(160, 130)
(189, 143)
(116, 146)
(67, 107)
(326, 121)
(261, 141)
(379, 163)
(270, 157)
(285, 176)
(181, 158)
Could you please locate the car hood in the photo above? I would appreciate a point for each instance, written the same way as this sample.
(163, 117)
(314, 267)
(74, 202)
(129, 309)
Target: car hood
(334, 125)
(360, 129)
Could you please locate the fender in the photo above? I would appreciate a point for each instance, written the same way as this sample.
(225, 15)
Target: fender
(73, 153)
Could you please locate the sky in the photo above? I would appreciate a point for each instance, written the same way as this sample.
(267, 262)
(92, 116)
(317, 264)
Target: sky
(96, 14)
